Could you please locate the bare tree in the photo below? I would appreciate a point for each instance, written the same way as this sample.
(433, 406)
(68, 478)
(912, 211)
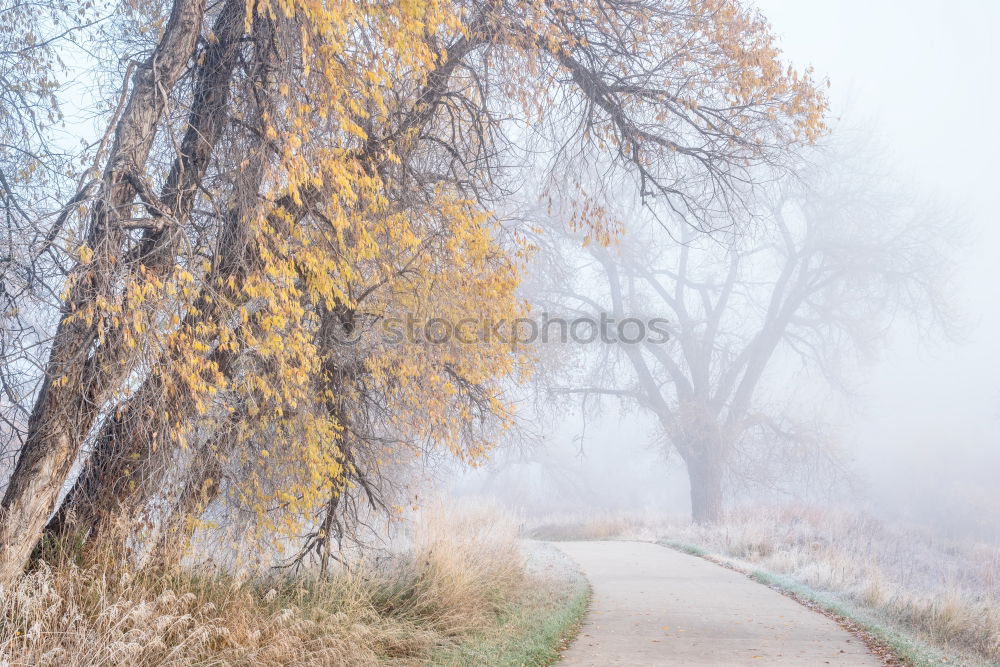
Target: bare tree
(831, 265)
(35, 173)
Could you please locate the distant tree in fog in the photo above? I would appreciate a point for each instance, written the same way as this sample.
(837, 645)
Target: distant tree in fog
(831, 264)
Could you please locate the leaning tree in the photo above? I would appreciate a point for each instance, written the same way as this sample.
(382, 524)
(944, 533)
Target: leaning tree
(276, 174)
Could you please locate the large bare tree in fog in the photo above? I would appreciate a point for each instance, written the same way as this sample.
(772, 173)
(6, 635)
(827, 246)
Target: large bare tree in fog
(832, 263)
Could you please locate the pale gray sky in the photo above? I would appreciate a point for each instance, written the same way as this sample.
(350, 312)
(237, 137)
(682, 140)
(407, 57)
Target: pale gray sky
(925, 73)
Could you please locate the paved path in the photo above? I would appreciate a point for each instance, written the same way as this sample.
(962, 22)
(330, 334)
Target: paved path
(657, 606)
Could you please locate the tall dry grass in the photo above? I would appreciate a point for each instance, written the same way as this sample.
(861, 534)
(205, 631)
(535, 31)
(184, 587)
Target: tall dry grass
(458, 571)
(466, 566)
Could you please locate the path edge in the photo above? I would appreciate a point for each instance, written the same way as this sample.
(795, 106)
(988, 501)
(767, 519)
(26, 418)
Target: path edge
(892, 648)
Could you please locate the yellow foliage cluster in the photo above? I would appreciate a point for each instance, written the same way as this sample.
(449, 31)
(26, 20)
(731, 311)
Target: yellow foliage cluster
(330, 238)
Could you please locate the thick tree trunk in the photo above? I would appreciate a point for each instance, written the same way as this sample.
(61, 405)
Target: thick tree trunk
(705, 472)
(114, 483)
(77, 380)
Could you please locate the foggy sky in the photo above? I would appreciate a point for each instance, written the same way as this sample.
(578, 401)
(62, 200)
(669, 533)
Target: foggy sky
(924, 74)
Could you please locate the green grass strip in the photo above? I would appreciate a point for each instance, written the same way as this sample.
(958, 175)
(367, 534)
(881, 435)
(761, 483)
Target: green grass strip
(529, 634)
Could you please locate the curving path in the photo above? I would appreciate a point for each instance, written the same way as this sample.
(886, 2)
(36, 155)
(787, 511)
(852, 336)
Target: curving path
(656, 606)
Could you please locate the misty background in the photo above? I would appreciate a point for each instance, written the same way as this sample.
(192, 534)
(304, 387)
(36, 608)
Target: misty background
(920, 424)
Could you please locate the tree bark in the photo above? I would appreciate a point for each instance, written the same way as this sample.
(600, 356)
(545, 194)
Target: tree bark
(76, 378)
(705, 472)
(128, 437)
(124, 472)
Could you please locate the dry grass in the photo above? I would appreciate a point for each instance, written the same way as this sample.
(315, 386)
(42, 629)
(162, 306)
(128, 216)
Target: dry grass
(944, 592)
(599, 526)
(462, 569)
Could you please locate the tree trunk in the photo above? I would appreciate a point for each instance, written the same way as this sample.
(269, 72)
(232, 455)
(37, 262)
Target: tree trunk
(705, 471)
(115, 481)
(77, 381)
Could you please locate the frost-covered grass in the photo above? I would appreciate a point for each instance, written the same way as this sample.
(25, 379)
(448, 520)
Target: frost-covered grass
(461, 578)
(940, 591)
